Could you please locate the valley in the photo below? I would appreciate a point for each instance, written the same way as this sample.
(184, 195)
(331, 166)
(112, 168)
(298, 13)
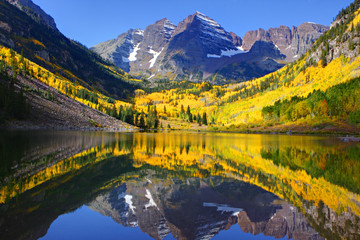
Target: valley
(174, 86)
(179, 129)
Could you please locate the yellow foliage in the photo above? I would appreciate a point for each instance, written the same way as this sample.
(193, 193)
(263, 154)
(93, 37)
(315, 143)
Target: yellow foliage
(355, 21)
(59, 82)
(37, 42)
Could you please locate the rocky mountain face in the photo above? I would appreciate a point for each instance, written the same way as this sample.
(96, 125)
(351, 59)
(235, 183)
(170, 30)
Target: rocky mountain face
(286, 222)
(193, 209)
(198, 49)
(292, 42)
(34, 11)
(118, 50)
(340, 40)
(156, 38)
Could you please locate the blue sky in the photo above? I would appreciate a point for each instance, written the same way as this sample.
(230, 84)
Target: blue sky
(94, 21)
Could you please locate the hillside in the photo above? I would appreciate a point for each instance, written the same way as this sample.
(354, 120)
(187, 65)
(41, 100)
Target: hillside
(317, 93)
(32, 97)
(50, 49)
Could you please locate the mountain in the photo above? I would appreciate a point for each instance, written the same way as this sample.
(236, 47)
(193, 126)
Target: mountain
(50, 49)
(198, 48)
(140, 53)
(293, 43)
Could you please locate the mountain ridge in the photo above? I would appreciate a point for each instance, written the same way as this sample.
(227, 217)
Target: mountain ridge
(292, 42)
(199, 49)
(34, 11)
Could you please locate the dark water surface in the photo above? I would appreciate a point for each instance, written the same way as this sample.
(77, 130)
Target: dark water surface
(96, 185)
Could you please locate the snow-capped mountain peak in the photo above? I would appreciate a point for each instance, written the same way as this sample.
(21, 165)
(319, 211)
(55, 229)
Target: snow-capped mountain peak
(206, 20)
(199, 48)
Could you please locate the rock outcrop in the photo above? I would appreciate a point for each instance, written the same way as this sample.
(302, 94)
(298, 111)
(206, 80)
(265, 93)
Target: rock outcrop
(118, 50)
(156, 38)
(292, 42)
(34, 11)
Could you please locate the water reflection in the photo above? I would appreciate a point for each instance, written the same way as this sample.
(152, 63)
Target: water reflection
(200, 208)
(185, 185)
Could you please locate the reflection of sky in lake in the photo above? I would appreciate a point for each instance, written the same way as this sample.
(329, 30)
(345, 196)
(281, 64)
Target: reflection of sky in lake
(87, 224)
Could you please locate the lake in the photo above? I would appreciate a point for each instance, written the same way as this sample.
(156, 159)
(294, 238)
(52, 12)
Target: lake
(98, 185)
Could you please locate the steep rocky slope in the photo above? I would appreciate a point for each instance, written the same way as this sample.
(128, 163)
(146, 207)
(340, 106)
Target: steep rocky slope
(119, 49)
(293, 43)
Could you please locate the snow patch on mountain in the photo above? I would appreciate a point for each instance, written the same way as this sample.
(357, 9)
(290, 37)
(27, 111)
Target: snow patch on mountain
(215, 33)
(223, 208)
(169, 25)
(227, 53)
(206, 19)
(128, 200)
(151, 200)
(132, 55)
(212, 28)
(139, 32)
(155, 56)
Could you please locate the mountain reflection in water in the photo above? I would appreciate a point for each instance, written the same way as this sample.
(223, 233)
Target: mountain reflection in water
(181, 185)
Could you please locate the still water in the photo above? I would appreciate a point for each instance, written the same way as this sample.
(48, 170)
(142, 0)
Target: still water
(96, 185)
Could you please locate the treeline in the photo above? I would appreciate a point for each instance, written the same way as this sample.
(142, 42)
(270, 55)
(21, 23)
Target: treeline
(269, 83)
(332, 169)
(181, 87)
(85, 94)
(190, 117)
(341, 101)
(149, 120)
